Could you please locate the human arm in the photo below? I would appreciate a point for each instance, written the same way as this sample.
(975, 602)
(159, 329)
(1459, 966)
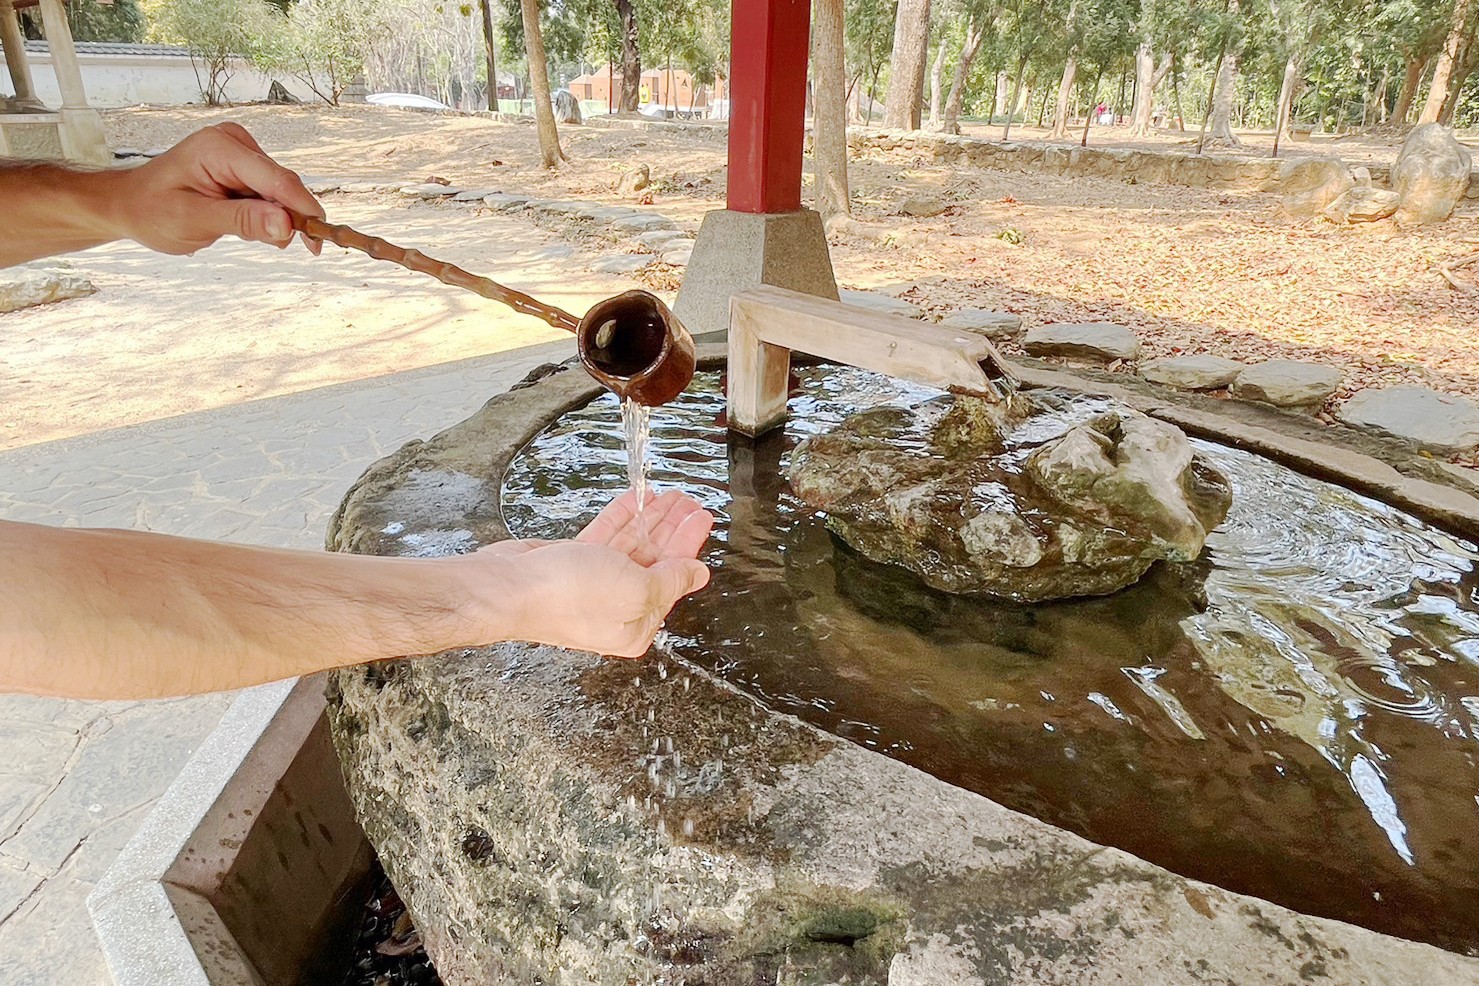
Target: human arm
(215, 182)
(116, 614)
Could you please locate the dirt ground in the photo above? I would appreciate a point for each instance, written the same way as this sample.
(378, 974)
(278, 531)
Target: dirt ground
(1191, 270)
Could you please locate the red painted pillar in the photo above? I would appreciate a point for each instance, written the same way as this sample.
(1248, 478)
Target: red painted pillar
(770, 43)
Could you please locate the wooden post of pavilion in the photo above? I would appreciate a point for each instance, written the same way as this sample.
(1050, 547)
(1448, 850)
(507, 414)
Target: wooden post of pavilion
(764, 236)
(75, 131)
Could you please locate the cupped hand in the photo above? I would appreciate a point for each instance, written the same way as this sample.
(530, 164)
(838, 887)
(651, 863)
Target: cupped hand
(610, 588)
(216, 182)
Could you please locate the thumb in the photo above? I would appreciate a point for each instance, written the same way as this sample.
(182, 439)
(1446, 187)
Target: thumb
(678, 577)
(257, 220)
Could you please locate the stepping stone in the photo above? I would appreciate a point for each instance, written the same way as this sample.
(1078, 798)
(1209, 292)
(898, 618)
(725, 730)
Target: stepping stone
(1441, 421)
(474, 195)
(23, 287)
(555, 251)
(677, 253)
(621, 263)
(1200, 372)
(1287, 383)
(642, 222)
(359, 187)
(566, 208)
(659, 238)
(1101, 341)
(430, 190)
(605, 213)
(876, 302)
(504, 202)
(320, 186)
(992, 325)
(127, 152)
(155, 151)
(923, 206)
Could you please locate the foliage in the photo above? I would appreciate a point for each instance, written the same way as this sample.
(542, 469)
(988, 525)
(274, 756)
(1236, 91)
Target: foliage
(324, 43)
(122, 20)
(216, 32)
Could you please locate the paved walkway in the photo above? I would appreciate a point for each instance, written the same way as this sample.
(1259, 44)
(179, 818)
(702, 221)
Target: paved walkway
(77, 778)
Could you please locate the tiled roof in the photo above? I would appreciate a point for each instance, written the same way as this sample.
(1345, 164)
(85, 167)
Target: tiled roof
(116, 48)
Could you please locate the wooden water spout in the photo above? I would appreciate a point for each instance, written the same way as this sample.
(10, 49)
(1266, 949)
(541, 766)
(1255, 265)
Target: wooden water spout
(767, 324)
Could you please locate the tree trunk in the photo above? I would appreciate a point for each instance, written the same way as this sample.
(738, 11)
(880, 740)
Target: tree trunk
(544, 112)
(829, 123)
(1222, 102)
(1006, 130)
(488, 47)
(1065, 89)
(1202, 134)
(631, 58)
(1415, 67)
(1438, 91)
(1042, 107)
(1293, 69)
(1148, 75)
(950, 122)
(999, 94)
(1093, 107)
(1465, 66)
(901, 109)
(937, 77)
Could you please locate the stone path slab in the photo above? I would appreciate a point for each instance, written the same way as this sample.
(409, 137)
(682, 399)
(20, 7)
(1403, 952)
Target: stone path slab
(77, 778)
(1103, 341)
(1442, 421)
(1287, 383)
(1199, 372)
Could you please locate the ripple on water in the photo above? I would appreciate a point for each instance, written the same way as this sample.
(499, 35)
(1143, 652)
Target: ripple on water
(1295, 715)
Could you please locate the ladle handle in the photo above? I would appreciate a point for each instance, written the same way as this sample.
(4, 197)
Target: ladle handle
(353, 239)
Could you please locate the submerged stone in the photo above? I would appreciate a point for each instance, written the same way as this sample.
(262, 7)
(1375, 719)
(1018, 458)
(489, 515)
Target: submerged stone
(1044, 498)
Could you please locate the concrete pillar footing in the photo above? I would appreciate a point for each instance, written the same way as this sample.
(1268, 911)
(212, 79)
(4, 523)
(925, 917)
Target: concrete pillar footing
(740, 250)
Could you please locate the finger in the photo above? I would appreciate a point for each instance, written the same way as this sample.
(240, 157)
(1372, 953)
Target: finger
(612, 518)
(241, 135)
(251, 219)
(675, 513)
(676, 578)
(690, 536)
(249, 171)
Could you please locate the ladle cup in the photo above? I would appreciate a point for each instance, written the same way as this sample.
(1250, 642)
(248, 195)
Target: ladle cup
(632, 344)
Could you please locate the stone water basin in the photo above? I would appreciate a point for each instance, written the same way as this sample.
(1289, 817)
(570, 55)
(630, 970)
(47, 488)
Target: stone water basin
(1292, 717)
(1295, 716)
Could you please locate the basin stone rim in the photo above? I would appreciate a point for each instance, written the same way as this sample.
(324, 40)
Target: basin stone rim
(837, 828)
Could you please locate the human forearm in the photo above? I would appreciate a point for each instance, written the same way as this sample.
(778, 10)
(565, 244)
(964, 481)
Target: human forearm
(214, 183)
(52, 209)
(113, 614)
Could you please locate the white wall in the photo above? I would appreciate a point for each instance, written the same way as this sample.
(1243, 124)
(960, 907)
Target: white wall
(128, 80)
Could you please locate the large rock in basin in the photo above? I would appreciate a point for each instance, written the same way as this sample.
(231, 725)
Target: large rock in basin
(1431, 174)
(1287, 383)
(1045, 498)
(23, 287)
(1101, 341)
(1441, 421)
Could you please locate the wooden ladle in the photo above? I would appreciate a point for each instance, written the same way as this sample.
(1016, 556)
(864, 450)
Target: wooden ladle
(632, 344)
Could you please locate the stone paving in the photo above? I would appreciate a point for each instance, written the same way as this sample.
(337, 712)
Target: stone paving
(77, 778)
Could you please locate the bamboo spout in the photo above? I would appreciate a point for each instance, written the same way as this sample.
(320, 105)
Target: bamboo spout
(767, 324)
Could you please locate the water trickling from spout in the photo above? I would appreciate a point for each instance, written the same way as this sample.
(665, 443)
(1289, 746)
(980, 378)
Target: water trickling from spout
(636, 420)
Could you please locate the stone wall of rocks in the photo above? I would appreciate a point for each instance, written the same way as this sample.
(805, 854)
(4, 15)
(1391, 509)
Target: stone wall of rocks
(1164, 167)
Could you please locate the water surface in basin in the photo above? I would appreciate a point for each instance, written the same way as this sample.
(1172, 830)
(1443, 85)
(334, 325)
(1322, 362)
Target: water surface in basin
(1294, 716)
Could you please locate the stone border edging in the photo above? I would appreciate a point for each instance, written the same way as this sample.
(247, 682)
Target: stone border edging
(170, 910)
(1169, 167)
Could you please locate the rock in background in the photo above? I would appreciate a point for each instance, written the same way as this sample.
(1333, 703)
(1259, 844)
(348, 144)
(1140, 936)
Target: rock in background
(1046, 498)
(1312, 184)
(1431, 175)
(23, 287)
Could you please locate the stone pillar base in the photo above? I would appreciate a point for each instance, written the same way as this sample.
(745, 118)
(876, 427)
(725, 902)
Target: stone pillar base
(736, 251)
(82, 137)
